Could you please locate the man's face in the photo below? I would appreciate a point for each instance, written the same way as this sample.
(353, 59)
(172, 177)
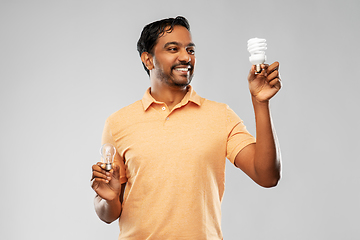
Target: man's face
(174, 58)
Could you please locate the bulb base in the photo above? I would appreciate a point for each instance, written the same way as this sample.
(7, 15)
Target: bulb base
(108, 166)
(258, 68)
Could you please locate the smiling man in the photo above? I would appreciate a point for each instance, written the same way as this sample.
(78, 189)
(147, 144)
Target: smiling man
(167, 181)
(170, 64)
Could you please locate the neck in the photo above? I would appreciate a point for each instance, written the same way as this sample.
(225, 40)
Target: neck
(171, 96)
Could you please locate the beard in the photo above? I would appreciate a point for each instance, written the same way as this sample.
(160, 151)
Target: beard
(176, 81)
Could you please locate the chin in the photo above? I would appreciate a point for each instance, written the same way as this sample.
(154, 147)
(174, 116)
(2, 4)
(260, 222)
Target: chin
(182, 83)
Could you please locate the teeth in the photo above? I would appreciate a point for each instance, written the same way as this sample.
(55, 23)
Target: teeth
(182, 69)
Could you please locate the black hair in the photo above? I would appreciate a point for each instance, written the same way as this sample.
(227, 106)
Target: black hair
(153, 31)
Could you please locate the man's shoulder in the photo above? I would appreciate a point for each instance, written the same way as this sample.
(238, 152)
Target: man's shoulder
(217, 108)
(129, 110)
(213, 104)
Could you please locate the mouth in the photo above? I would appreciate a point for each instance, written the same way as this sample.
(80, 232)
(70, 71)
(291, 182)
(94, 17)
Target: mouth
(182, 69)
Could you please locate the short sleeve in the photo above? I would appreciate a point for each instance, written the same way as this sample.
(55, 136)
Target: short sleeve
(238, 136)
(107, 137)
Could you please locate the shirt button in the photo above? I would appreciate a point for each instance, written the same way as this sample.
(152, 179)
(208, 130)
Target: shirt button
(167, 118)
(163, 108)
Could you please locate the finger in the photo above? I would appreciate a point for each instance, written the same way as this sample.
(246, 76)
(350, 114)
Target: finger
(95, 183)
(98, 172)
(115, 171)
(97, 168)
(251, 75)
(101, 175)
(98, 164)
(273, 67)
(105, 179)
(98, 181)
(102, 165)
(263, 71)
(276, 82)
(264, 66)
(273, 75)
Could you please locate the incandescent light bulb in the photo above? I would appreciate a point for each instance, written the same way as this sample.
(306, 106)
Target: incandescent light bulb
(107, 152)
(257, 47)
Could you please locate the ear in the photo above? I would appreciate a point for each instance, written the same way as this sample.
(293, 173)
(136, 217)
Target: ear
(148, 60)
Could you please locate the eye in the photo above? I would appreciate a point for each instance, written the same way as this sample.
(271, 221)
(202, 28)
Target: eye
(191, 51)
(172, 49)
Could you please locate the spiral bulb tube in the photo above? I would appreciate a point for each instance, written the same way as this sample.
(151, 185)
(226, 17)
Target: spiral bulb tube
(256, 48)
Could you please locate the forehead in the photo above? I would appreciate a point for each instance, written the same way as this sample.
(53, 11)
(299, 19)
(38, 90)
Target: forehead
(179, 34)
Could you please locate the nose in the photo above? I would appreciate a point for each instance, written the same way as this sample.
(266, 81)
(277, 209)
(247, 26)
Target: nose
(184, 56)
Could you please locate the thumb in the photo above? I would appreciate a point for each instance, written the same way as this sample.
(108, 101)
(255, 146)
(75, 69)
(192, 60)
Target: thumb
(115, 171)
(251, 75)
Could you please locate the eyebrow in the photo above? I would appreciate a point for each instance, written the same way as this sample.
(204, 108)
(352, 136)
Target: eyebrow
(178, 44)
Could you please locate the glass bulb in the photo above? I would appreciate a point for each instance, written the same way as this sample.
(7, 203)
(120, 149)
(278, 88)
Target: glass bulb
(257, 47)
(107, 152)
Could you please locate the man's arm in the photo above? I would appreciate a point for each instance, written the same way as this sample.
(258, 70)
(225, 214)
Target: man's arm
(109, 192)
(261, 161)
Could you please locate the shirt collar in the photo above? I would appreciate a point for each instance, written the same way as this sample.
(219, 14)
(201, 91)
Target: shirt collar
(191, 96)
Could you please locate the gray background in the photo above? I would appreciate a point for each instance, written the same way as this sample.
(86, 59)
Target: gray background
(65, 66)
